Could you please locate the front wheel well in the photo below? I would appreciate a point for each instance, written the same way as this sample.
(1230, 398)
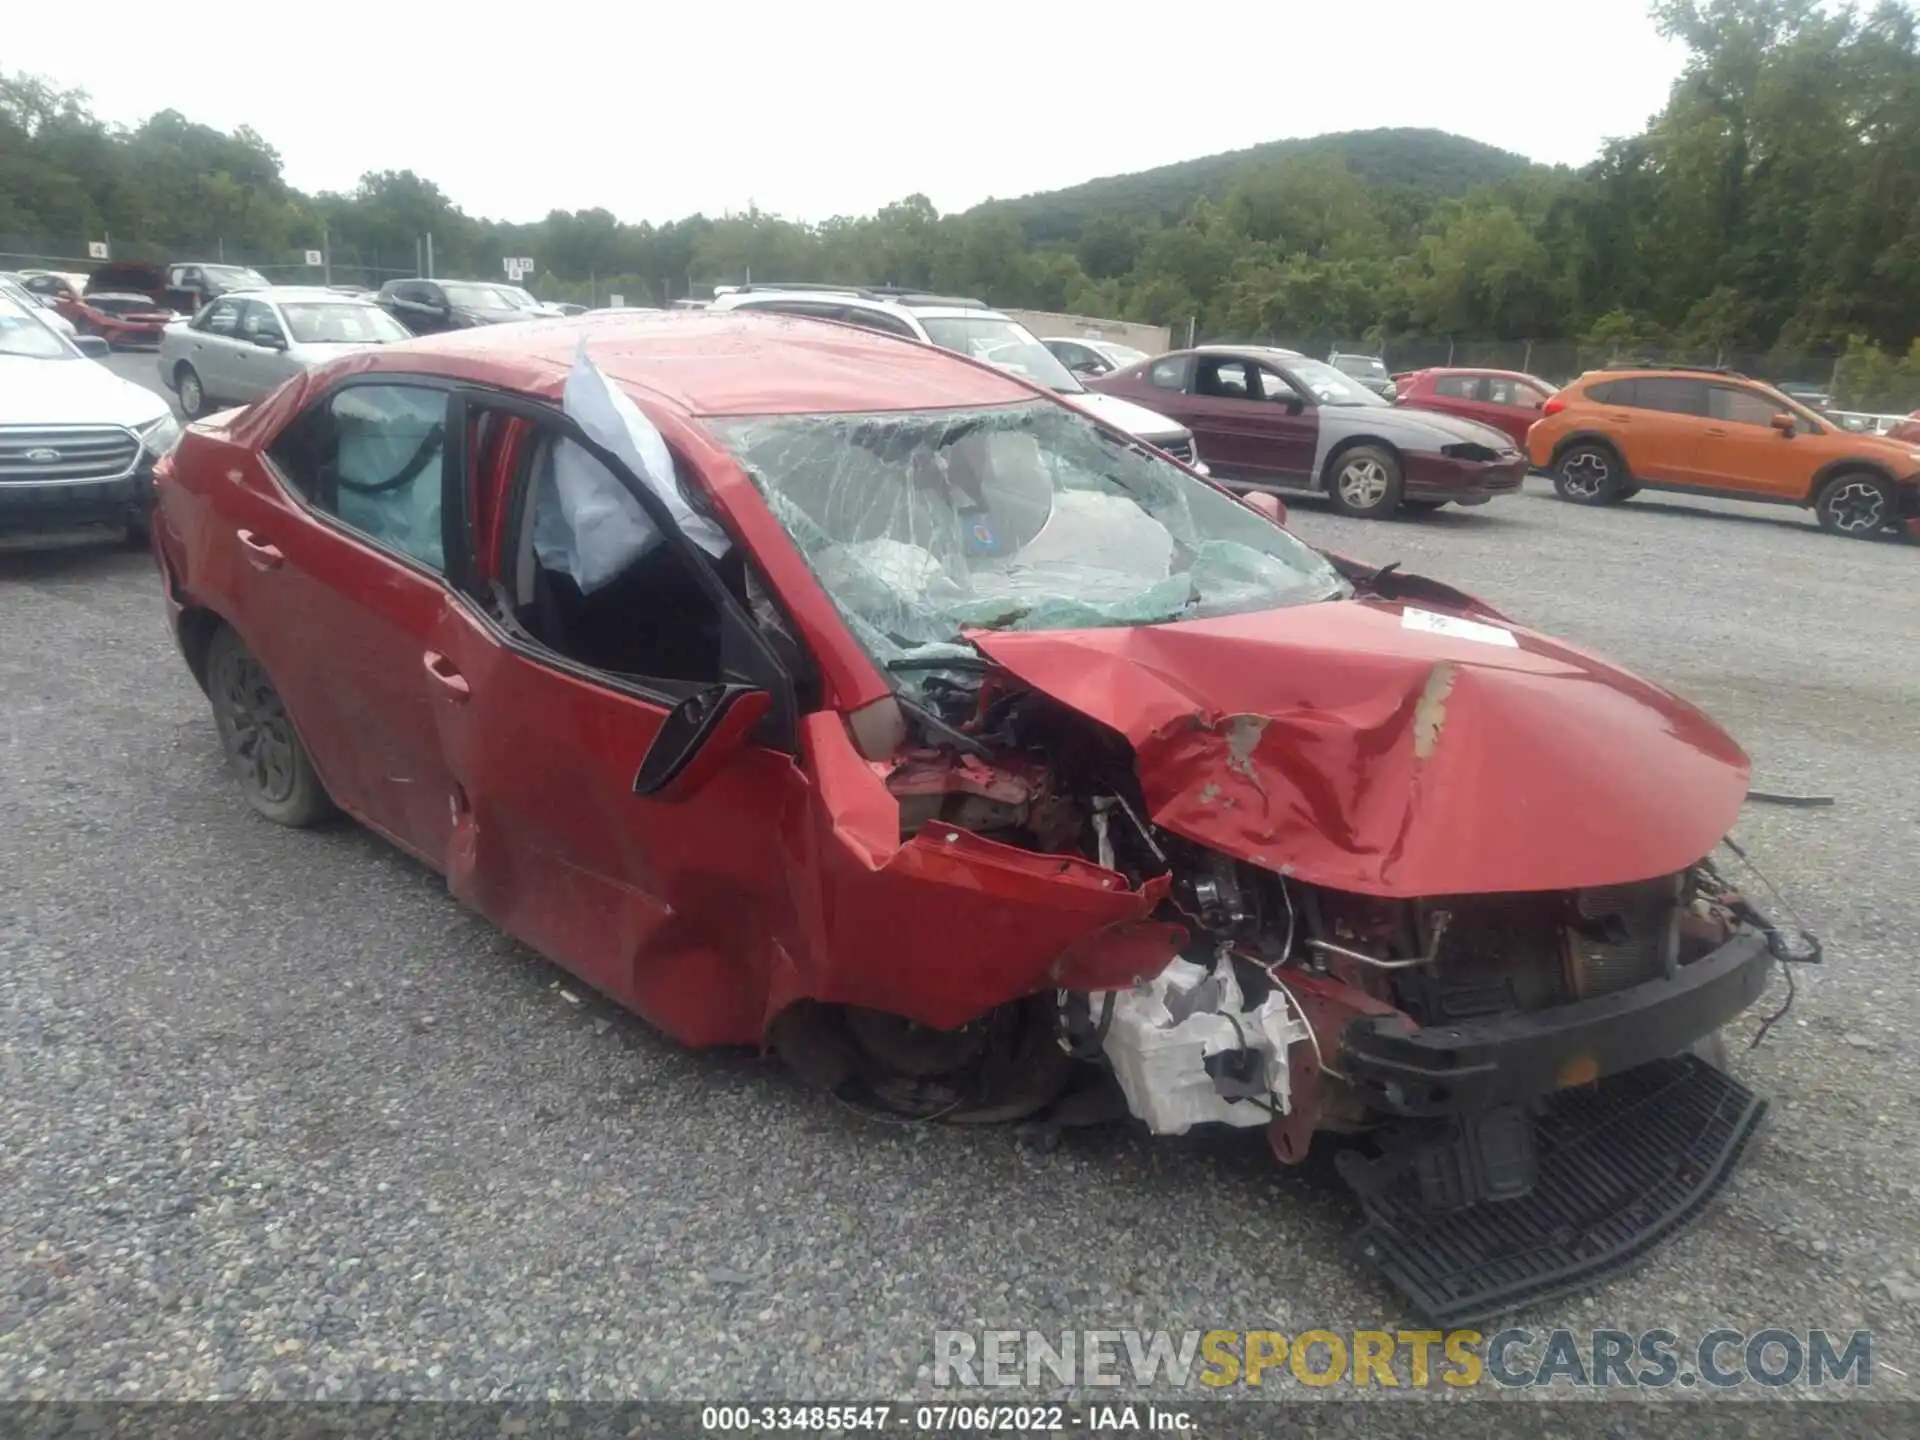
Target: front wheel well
(1827, 474)
(1377, 441)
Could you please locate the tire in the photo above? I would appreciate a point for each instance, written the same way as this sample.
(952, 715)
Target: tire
(257, 735)
(193, 395)
(1365, 482)
(1422, 507)
(1589, 474)
(1855, 503)
(1627, 492)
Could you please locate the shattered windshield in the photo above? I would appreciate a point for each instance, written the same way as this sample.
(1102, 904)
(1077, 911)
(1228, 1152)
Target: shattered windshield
(922, 524)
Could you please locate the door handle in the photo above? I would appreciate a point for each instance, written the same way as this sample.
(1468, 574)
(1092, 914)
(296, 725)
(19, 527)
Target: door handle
(261, 553)
(448, 675)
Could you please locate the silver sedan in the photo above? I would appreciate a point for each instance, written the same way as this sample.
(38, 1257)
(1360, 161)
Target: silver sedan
(247, 343)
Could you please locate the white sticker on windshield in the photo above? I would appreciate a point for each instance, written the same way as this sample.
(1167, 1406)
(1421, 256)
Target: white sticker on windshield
(1434, 624)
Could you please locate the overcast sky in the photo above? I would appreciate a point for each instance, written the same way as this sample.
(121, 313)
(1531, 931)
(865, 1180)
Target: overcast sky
(515, 110)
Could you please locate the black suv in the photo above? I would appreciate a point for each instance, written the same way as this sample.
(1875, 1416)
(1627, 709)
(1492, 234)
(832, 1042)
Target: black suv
(427, 307)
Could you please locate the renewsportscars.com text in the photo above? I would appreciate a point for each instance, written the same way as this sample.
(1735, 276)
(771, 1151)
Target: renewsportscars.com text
(1718, 1359)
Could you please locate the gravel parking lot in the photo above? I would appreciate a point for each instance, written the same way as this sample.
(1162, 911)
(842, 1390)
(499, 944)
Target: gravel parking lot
(278, 1118)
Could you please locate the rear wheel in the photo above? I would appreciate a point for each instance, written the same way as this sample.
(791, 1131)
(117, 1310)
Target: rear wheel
(262, 747)
(1366, 482)
(1857, 503)
(193, 395)
(1589, 475)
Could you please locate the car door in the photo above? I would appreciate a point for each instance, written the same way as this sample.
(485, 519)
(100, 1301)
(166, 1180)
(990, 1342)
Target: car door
(260, 361)
(1290, 425)
(1511, 405)
(213, 345)
(1740, 450)
(1229, 419)
(1657, 422)
(343, 582)
(680, 906)
(417, 304)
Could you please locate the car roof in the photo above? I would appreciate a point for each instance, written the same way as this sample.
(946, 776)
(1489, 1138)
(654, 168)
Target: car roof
(912, 304)
(1477, 370)
(717, 362)
(1240, 352)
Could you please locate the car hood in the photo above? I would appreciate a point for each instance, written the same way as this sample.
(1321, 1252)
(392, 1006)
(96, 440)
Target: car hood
(1421, 429)
(1390, 749)
(71, 392)
(1125, 415)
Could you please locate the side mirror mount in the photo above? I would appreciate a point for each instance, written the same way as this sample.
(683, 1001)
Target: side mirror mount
(1265, 502)
(94, 347)
(1784, 423)
(696, 739)
(267, 340)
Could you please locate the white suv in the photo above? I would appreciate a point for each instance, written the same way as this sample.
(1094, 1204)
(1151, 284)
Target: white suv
(970, 328)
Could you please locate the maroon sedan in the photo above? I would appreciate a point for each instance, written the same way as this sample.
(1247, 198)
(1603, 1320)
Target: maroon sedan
(1505, 399)
(1264, 418)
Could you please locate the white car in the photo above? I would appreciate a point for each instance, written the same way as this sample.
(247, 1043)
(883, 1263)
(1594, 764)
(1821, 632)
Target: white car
(10, 285)
(241, 346)
(968, 327)
(1086, 357)
(77, 443)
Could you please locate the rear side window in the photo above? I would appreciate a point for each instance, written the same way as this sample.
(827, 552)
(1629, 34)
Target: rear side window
(1611, 392)
(1168, 374)
(1675, 397)
(1458, 387)
(879, 320)
(371, 456)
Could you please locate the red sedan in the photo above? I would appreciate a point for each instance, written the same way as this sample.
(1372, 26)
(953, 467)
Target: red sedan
(1505, 399)
(801, 687)
(125, 319)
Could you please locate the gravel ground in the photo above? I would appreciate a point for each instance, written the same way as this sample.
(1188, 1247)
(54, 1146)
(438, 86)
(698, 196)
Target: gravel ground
(278, 1118)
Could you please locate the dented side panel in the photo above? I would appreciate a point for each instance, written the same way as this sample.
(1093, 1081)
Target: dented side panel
(946, 925)
(1379, 748)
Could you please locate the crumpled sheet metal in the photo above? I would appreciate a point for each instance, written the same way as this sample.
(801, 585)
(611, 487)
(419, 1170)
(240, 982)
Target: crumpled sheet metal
(946, 925)
(1346, 745)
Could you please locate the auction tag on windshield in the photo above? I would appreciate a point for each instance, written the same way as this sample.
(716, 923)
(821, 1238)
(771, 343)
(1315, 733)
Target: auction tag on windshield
(1434, 624)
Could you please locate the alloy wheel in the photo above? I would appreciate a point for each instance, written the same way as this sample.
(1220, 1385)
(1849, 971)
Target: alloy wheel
(1586, 474)
(254, 728)
(1859, 507)
(1364, 483)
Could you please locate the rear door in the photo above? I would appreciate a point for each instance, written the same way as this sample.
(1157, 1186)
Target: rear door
(547, 692)
(1657, 422)
(342, 581)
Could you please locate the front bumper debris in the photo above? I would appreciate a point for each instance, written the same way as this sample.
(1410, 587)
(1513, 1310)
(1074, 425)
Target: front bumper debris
(1621, 1166)
(1474, 1065)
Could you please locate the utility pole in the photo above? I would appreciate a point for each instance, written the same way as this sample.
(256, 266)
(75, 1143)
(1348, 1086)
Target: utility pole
(429, 255)
(326, 256)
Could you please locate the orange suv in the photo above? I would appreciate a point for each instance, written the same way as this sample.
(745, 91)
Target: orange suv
(1612, 433)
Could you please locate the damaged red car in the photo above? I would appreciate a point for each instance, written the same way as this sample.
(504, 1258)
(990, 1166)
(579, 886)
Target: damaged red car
(804, 688)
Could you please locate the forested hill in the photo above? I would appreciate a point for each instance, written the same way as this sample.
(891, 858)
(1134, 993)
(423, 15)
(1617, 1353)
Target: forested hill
(1431, 162)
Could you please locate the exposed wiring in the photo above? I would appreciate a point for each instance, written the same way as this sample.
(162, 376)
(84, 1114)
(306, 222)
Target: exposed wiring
(1776, 942)
(1804, 802)
(1293, 1001)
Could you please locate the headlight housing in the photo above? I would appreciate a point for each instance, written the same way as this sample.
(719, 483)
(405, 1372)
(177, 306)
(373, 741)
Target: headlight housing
(157, 437)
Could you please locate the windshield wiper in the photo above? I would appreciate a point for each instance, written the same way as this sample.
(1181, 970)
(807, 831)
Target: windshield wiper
(939, 662)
